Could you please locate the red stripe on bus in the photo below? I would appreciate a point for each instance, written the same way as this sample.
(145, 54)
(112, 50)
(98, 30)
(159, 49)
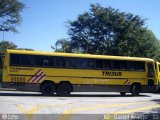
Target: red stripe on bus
(38, 74)
(41, 78)
(34, 75)
(125, 81)
(128, 83)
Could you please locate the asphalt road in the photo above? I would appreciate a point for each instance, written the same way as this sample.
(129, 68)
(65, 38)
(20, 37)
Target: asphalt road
(79, 106)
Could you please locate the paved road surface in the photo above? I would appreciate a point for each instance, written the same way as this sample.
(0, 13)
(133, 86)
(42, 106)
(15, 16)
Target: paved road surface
(79, 106)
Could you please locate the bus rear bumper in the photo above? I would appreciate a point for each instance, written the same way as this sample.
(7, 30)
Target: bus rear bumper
(22, 87)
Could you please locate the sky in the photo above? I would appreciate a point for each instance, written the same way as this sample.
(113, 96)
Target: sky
(44, 21)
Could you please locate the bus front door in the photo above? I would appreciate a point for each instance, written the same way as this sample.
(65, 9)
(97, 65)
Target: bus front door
(151, 75)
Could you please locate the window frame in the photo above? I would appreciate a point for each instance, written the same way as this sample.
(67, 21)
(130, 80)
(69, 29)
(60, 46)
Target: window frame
(79, 60)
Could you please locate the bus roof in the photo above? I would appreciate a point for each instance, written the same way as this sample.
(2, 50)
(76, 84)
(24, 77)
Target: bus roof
(79, 55)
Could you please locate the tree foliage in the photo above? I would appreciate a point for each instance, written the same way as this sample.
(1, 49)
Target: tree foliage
(62, 45)
(109, 31)
(4, 45)
(10, 14)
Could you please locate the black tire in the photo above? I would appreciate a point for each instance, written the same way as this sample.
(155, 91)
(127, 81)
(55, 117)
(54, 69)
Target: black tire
(48, 89)
(135, 90)
(64, 89)
(122, 93)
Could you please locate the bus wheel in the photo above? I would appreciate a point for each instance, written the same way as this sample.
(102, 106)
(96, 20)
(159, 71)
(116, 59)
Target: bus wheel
(64, 89)
(48, 89)
(135, 90)
(123, 93)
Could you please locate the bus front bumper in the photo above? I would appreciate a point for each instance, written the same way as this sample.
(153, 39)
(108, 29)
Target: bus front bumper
(149, 89)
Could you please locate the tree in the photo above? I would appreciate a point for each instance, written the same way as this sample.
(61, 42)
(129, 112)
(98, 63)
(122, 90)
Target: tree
(150, 46)
(27, 49)
(4, 45)
(109, 31)
(10, 14)
(62, 45)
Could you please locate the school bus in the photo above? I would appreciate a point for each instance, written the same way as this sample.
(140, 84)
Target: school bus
(62, 73)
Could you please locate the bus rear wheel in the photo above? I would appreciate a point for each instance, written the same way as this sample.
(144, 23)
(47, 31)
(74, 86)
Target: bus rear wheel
(47, 89)
(64, 89)
(135, 90)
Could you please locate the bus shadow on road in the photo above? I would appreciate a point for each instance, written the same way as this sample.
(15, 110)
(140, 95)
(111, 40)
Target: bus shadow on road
(104, 95)
(152, 114)
(19, 94)
(72, 95)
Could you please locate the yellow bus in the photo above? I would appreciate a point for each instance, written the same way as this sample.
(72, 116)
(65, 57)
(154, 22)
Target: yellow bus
(62, 73)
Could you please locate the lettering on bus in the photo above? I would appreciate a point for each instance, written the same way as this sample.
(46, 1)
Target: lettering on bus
(17, 69)
(107, 73)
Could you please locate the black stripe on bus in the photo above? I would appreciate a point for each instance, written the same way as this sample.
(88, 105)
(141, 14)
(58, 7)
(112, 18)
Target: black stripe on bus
(79, 77)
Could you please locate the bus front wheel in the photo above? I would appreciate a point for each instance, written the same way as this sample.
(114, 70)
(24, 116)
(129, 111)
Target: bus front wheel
(135, 90)
(64, 89)
(47, 89)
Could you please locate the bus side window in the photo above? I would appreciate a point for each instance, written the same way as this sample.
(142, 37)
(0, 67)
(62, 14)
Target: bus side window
(106, 64)
(38, 61)
(140, 66)
(120, 65)
(99, 64)
(150, 70)
(136, 66)
(72, 63)
(48, 61)
(81, 63)
(14, 60)
(60, 62)
(26, 60)
(43, 61)
(90, 64)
